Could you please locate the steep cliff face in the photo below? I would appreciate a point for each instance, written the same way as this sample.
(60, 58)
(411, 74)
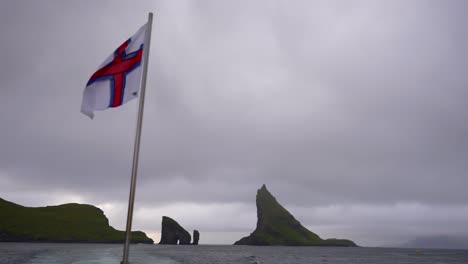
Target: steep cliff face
(276, 226)
(63, 223)
(172, 233)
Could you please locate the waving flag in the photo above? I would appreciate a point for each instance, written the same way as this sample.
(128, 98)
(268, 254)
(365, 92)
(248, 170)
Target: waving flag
(117, 80)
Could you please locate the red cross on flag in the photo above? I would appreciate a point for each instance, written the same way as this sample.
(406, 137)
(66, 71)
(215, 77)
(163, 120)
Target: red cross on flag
(117, 80)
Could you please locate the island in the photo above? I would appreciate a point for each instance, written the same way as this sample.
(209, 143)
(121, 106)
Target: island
(276, 226)
(66, 223)
(172, 233)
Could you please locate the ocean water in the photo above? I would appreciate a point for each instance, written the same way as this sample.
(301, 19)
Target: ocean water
(25, 253)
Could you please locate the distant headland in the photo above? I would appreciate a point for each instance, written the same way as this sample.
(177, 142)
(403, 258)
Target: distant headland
(276, 226)
(67, 223)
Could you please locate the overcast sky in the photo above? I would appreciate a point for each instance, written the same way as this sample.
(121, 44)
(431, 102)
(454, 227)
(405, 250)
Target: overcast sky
(353, 113)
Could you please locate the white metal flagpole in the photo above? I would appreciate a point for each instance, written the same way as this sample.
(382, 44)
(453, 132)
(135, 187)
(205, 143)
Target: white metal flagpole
(136, 151)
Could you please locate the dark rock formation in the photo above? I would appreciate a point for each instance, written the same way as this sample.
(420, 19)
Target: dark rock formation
(66, 223)
(172, 232)
(276, 226)
(196, 237)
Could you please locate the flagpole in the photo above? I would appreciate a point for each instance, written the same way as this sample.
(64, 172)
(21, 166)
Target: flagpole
(136, 150)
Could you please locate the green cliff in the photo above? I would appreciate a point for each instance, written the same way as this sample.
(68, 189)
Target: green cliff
(73, 223)
(276, 226)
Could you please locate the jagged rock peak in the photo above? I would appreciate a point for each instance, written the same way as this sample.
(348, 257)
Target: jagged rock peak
(172, 233)
(276, 226)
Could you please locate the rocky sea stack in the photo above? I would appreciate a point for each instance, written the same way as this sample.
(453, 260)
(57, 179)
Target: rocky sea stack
(196, 237)
(172, 233)
(276, 226)
(67, 223)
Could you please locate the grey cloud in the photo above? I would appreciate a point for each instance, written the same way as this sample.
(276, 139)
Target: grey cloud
(330, 103)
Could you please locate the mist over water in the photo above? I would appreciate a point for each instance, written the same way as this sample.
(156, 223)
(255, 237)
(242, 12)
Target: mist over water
(24, 253)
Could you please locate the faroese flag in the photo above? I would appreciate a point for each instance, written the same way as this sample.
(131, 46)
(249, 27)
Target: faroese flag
(117, 80)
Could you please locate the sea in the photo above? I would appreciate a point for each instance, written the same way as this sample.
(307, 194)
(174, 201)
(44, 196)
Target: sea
(43, 253)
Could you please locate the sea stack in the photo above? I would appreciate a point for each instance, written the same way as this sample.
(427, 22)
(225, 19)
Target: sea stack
(172, 233)
(276, 226)
(196, 237)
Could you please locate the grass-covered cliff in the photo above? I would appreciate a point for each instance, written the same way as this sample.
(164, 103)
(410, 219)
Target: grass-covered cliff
(276, 226)
(79, 223)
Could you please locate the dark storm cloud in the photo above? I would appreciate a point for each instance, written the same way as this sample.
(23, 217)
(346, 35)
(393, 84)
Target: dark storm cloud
(339, 107)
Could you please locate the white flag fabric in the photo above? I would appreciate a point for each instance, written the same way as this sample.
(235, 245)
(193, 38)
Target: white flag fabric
(117, 80)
